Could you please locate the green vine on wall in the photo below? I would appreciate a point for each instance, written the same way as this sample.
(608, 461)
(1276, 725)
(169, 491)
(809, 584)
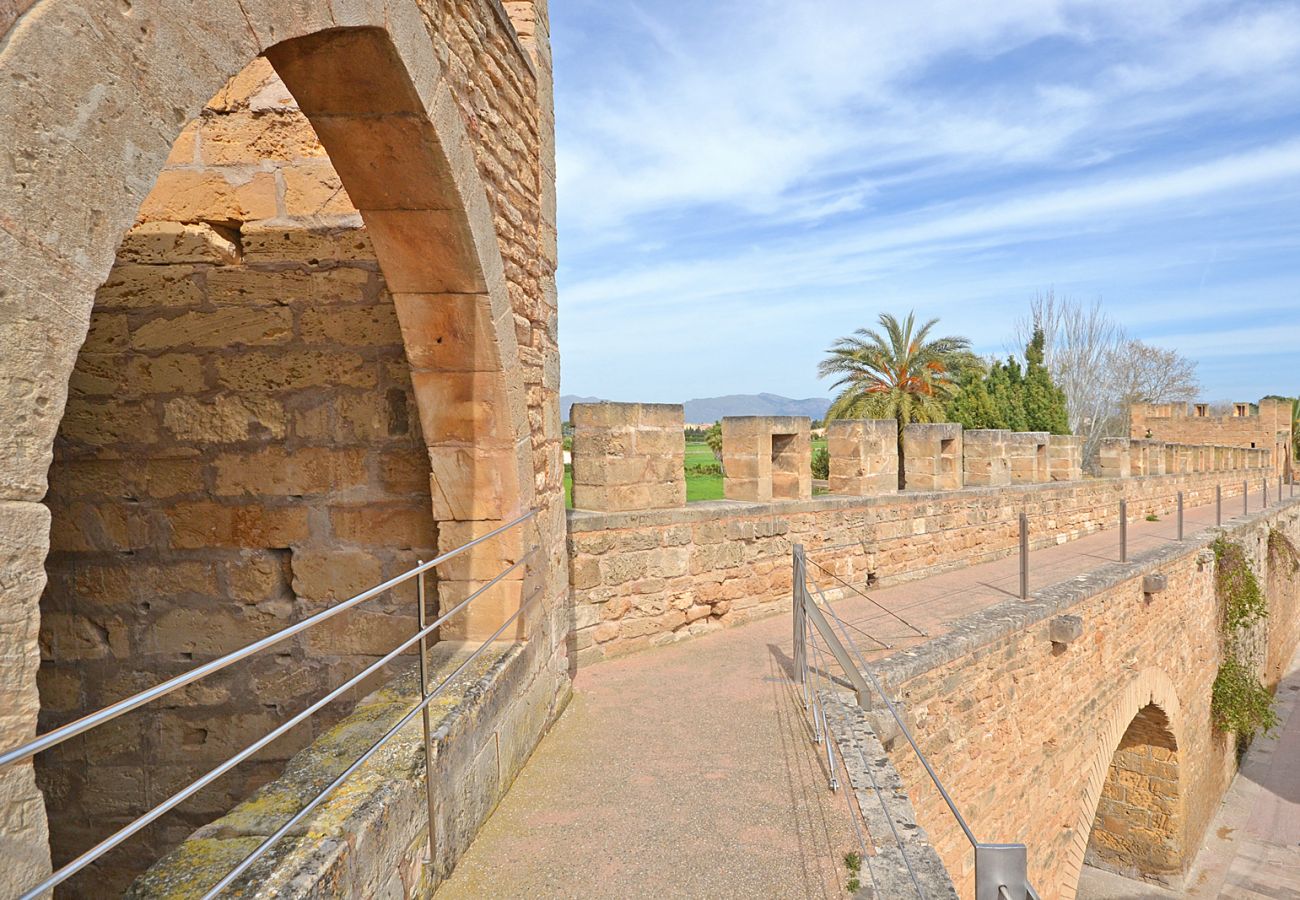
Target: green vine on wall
(1239, 703)
(1280, 547)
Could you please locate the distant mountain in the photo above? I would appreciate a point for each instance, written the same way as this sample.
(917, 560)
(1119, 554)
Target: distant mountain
(710, 409)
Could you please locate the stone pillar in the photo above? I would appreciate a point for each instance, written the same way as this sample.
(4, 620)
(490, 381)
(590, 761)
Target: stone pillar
(1171, 459)
(1155, 464)
(932, 456)
(628, 456)
(1139, 458)
(1028, 450)
(985, 459)
(766, 458)
(1114, 458)
(1065, 457)
(864, 456)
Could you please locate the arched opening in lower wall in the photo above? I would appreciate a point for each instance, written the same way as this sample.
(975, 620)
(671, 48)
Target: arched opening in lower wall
(1138, 829)
(294, 385)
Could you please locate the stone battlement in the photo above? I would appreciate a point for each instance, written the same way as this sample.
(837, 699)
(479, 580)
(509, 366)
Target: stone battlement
(629, 456)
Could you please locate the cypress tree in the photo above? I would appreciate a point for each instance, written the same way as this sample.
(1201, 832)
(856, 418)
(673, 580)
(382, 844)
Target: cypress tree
(1044, 402)
(1006, 388)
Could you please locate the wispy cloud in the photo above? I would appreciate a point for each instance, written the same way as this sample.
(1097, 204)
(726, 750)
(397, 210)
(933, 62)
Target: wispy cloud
(773, 159)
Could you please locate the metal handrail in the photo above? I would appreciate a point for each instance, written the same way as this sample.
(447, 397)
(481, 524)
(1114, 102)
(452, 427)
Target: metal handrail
(424, 630)
(1003, 866)
(108, 713)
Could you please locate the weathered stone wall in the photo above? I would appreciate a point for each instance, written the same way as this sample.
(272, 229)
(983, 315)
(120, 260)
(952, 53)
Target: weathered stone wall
(1024, 731)
(649, 578)
(628, 456)
(766, 457)
(863, 456)
(240, 449)
(1269, 428)
(985, 459)
(1136, 829)
(459, 117)
(932, 457)
(370, 838)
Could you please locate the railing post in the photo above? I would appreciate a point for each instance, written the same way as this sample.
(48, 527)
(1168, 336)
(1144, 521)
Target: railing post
(1180, 515)
(798, 591)
(1264, 493)
(1218, 506)
(422, 619)
(1245, 498)
(1123, 531)
(1024, 556)
(1279, 488)
(999, 866)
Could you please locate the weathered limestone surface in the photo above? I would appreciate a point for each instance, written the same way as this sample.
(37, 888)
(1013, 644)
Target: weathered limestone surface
(1268, 428)
(766, 457)
(1028, 451)
(863, 456)
(370, 838)
(986, 457)
(628, 456)
(1149, 658)
(1114, 459)
(654, 577)
(436, 116)
(932, 456)
(1065, 458)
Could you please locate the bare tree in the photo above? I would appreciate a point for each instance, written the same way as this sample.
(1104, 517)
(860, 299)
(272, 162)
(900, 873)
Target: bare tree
(1101, 369)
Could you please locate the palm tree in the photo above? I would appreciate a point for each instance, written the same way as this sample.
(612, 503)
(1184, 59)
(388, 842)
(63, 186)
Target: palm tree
(901, 374)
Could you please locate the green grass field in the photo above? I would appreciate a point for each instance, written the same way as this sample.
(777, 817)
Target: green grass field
(698, 486)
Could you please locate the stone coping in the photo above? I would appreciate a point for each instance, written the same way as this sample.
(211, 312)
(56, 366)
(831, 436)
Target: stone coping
(310, 858)
(513, 33)
(905, 860)
(967, 634)
(706, 510)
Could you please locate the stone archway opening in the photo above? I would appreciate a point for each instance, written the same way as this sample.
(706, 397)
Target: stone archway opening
(1138, 828)
(286, 395)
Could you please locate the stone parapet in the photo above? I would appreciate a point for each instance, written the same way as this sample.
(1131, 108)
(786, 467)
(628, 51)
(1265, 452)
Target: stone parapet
(643, 579)
(863, 456)
(1064, 458)
(1114, 458)
(932, 456)
(986, 461)
(766, 457)
(628, 456)
(1028, 453)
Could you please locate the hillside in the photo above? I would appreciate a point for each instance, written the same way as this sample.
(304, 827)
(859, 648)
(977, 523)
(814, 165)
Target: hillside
(710, 409)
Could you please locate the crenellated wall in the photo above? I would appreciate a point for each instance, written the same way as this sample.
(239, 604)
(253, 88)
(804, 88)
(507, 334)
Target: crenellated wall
(647, 578)
(1266, 425)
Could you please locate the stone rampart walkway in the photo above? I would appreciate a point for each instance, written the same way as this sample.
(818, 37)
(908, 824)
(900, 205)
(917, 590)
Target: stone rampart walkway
(687, 771)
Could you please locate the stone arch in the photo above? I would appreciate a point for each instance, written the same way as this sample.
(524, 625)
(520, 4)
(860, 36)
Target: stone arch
(1151, 700)
(87, 145)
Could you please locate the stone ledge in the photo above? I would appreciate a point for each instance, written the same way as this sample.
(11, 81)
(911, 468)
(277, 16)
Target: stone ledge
(886, 812)
(370, 836)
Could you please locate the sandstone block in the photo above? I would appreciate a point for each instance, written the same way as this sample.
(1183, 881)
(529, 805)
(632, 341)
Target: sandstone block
(158, 243)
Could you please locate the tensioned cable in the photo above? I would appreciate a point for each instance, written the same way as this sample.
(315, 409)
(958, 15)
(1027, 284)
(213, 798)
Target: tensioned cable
(866, 597)
(832, 752)
(880, 798)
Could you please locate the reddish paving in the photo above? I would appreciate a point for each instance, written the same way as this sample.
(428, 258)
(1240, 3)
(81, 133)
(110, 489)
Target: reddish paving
(687, 771)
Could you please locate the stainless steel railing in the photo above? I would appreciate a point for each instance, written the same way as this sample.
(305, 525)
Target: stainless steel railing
(1001, 870)
(424, 629)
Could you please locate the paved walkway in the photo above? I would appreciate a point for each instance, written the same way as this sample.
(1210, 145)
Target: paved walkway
(687, 771)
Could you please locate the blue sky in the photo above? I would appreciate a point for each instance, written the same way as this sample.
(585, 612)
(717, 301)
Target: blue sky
(742, 182)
